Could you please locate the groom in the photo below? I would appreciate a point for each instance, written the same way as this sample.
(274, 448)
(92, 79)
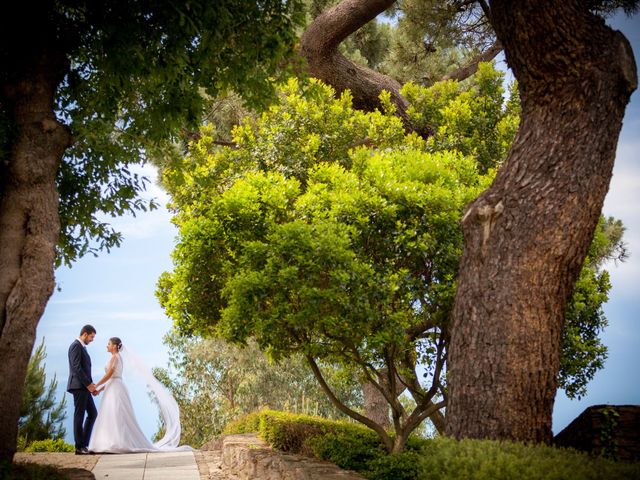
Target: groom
(82, 388)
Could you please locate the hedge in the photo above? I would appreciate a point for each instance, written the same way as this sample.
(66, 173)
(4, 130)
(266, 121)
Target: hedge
(49, 445)
(356, 447)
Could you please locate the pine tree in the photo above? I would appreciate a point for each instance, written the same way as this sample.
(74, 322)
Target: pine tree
(40, 416)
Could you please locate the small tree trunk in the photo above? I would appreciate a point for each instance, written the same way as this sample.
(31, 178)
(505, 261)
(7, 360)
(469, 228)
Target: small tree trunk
(400, 441)
(29, 225)
(376, 406)
(527, 235)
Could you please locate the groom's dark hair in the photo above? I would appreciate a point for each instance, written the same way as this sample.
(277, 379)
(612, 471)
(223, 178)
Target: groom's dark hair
(87, 329)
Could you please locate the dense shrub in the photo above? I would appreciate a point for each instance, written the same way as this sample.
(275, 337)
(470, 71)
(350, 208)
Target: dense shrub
(354, 447)
(445, 459)
(49, 445)
(290, 432)
(348, 450)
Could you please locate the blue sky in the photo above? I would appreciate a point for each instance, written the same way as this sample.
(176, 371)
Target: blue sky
(115, 292)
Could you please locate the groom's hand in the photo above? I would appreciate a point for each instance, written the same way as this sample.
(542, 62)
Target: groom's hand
(91, 387)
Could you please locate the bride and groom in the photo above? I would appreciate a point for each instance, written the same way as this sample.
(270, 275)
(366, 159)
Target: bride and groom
(115, 429)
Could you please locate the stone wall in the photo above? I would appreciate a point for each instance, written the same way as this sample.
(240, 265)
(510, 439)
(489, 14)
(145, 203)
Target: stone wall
(610, 429)
(246, 457)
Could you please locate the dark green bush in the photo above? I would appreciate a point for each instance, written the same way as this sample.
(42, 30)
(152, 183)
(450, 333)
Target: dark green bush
(400, 466)
(355, 447)
(347, 450)
(49, 445)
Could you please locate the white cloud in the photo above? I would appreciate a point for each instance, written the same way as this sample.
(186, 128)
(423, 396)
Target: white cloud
(92, 299)
(623, 199)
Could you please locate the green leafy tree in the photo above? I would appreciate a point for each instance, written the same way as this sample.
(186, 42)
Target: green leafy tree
(214, 382)
(91, 89)
(328, 232)
(583, 353)
(41, 418)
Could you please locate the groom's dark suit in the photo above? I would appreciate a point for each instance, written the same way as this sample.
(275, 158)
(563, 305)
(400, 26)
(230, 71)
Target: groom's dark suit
(79, 380)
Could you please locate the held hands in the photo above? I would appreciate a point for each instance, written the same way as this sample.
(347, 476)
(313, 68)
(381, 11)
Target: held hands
(95, 391)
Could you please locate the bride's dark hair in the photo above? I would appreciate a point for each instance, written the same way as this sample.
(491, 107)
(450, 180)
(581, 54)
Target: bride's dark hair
(117, 342)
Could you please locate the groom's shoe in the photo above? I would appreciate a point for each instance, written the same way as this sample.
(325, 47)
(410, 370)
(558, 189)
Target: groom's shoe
(82, 451)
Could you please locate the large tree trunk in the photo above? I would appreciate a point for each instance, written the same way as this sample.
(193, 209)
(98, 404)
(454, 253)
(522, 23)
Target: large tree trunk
(29, 223)
(526, 236)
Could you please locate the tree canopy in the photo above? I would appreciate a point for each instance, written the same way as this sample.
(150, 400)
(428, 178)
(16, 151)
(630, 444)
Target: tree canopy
(328, 232)
(137, 75)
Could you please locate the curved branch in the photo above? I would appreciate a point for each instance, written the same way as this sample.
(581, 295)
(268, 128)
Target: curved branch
(430, 410)
(346, 410)
(319, 46)
(438, 420)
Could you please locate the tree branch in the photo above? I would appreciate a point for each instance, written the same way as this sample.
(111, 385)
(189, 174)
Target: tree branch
(319, 46)
(422, 412)
(470, 68)
(346, 410)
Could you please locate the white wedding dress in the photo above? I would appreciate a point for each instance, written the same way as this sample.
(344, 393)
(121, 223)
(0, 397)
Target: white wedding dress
(116, 429)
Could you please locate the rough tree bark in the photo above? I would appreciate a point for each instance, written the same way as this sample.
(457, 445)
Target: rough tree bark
(526, 236)
(376, 406)
(29, 222)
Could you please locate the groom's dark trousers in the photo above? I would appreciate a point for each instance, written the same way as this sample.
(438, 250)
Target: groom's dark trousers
(79, 379)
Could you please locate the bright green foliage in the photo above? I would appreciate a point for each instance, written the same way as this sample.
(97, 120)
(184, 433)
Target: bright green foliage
(216, 382)
(291, 432)
(40, 417)
(140, 73)
(349, 268)
(312, 246)
(357, 448)
(472, 120)
(329, 233)
(50, 445)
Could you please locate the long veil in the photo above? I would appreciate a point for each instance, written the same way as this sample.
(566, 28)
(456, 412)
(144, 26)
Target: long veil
(169, 410)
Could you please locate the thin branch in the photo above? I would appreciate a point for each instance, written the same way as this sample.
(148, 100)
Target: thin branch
(415, 331)
(343, 408)
(485, 8)
(470, 68)
(420, 414)
(389, 395)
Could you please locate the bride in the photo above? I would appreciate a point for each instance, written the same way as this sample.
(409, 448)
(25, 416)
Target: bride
(116, 429)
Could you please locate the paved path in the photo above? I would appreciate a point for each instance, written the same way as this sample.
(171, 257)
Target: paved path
(147, 466)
